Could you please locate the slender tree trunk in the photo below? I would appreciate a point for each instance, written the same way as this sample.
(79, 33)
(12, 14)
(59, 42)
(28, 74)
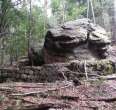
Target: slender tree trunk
(45, 15)
(11, 52)
(2, 51)
(63, 11)
(30, 16)
(113, 22)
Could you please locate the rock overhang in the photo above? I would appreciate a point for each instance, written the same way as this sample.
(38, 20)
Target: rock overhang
(74, 35)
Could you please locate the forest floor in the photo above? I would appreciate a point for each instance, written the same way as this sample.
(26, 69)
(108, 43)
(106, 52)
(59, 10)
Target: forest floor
(97, 95)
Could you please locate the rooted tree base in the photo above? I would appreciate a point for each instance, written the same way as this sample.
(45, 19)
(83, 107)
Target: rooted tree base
(58, 71)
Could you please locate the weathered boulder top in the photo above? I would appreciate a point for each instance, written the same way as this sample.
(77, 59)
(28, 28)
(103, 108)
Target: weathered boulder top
(73, 35)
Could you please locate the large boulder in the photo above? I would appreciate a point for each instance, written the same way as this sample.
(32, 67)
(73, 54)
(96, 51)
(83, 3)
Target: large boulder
(76, 40)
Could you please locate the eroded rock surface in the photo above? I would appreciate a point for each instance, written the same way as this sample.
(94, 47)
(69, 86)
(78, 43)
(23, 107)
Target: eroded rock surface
(76, 40)
(59, 71)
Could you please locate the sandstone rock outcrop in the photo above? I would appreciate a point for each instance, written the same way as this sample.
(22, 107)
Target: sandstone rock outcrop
(76, 40)
(74, 70)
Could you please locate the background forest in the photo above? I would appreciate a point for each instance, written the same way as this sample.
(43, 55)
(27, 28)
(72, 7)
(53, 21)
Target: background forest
(23, 23)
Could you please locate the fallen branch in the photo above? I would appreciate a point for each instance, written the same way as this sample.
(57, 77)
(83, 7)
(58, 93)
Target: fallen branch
(28, 101)
(108, 77)
(106, 99)
(69, 98)
(23, 86)
(40, 92)
(5, 89)
(46, 106)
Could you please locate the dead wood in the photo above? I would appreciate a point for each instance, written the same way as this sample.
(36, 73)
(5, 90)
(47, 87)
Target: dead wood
(46, 106)
(108, 77)
(105, 99)
(40, 92)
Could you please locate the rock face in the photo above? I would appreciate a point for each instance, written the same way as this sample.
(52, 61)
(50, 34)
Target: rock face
(74, 70)
(76, 40)
(112, 52)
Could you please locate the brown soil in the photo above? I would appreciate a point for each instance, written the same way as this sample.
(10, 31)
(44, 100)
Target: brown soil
(100, 95)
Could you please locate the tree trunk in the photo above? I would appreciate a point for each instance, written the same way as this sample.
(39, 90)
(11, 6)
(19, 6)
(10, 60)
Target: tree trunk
(113, 23)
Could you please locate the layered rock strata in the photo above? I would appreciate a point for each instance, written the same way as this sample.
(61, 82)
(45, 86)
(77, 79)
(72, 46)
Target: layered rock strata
(76, 40)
